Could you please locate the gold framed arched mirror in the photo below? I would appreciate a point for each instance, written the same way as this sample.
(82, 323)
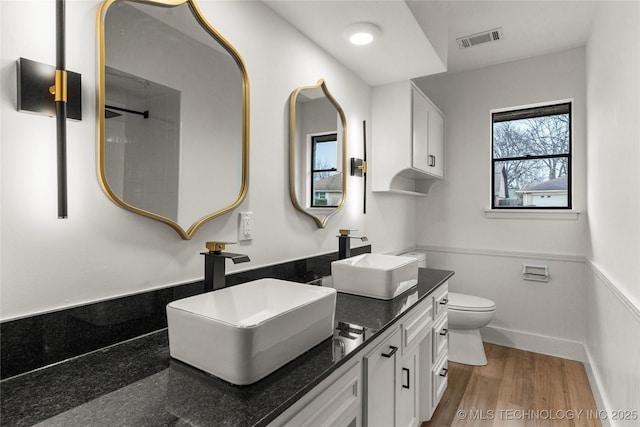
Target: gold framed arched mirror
(318, 152)
(173, 113)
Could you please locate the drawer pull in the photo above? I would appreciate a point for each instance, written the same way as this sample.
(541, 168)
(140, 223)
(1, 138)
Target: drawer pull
(444, 332)
(444, 301)
(444, 372)
(391, 352)
(408, 378)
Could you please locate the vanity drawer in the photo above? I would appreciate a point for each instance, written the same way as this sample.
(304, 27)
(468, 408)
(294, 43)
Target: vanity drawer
(417, 325)
(441, 300)
(439, 376)
(440, 337)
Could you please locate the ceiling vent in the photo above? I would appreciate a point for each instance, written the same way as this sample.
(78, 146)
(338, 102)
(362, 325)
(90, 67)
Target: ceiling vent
(479, 38)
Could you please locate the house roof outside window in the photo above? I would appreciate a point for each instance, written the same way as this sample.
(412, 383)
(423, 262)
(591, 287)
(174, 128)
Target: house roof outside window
(555, 184)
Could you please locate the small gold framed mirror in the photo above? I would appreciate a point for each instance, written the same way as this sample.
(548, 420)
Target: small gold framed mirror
(318, 147)
(173, 113)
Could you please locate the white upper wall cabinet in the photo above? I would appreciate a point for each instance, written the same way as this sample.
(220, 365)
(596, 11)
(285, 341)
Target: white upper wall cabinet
(408, 140)
(435, 156)
(427, 134)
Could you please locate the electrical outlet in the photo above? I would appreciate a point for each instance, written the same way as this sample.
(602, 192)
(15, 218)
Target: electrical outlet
(245, 226)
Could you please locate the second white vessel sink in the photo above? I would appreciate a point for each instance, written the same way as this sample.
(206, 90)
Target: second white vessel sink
(375, 275)
(243, 333)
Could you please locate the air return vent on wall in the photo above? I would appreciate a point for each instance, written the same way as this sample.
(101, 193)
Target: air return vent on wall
(479, 38)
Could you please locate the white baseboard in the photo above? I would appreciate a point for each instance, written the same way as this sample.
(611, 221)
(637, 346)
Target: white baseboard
(596, 385)
(550, 346)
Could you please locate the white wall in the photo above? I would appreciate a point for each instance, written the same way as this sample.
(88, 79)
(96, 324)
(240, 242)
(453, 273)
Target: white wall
(488, 254)
(613, 105)
(454, 213)
(102, 251)
(613, 85)
(590, 309)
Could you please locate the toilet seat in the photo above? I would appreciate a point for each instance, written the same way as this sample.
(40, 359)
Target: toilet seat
(463, 302)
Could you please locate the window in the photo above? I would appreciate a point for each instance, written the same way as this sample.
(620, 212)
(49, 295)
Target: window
(532, 158)
(326, 181)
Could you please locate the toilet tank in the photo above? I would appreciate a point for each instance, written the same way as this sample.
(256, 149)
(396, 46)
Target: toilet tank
(420, 256)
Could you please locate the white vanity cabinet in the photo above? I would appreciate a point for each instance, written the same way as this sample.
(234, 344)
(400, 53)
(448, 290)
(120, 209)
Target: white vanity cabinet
(392, 371)
(435, 373)
(395, 381)
(408, 134)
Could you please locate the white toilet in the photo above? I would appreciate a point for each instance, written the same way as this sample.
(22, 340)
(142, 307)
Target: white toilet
(467, 314)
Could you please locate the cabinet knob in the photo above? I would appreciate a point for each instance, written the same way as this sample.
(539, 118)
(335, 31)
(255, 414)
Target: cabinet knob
(444, 372)
(431, 160)
(444, 301)
(391, 352)
(444, 332)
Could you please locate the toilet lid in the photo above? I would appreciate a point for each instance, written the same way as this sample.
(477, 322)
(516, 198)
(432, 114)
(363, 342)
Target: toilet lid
(465, 302)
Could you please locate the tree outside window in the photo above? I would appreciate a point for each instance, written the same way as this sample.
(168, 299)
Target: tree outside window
(532, 157)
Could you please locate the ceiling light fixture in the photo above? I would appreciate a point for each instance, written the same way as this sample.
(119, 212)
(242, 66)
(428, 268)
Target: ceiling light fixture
(362, 33)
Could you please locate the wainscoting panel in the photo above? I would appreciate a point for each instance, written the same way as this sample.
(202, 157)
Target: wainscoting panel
(544, 317)
(613, 348)
(580, 314)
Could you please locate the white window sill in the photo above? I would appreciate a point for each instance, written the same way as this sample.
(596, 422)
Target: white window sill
(553, 214)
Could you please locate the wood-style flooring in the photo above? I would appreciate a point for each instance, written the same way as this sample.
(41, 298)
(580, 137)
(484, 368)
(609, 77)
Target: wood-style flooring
(517, 388)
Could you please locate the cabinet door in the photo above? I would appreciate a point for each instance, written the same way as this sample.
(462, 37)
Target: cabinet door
(416, 326)
(435, 155)
(420, 130)
(439, 382)
(440, 337)
(407, 391)
(425, 378)
(380, 374)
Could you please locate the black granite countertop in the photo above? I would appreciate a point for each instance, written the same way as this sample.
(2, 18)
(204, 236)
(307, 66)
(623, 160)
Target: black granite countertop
(136, 383)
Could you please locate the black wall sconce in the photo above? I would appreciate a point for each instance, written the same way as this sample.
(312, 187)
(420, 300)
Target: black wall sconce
(46, 90)
(359, 166)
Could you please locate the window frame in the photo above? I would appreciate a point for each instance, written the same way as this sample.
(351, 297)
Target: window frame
(520, 112)
(315, 139)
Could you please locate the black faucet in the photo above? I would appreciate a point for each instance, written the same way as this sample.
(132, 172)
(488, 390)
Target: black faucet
(344, 246)
(214, 265)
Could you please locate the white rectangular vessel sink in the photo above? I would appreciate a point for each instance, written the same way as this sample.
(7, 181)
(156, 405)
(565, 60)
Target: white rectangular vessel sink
(375, 275)
(243, 333)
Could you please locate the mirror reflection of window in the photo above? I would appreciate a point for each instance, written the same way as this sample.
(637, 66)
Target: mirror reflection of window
(326, 181)
(317, 153)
